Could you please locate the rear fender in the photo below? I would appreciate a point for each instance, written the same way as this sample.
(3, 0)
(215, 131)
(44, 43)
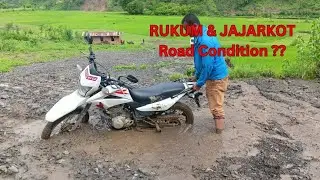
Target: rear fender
(65, 105)
(161, 105)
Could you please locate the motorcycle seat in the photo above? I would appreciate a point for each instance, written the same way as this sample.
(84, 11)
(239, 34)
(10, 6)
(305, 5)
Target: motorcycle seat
(156, 92)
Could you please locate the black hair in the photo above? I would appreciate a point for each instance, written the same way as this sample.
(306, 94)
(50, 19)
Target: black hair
(190, 19)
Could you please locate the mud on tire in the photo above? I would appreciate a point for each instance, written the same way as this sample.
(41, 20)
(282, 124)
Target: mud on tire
(186, 111)
(46, 133)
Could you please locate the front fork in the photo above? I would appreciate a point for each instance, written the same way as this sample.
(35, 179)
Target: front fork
(84, 111)
(81, 115)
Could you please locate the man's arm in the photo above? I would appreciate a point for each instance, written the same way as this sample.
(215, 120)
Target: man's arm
(206, 70)
(197, 63)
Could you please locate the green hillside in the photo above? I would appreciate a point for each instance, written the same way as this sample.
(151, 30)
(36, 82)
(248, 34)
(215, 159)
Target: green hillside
(43, 4)
(266, 8)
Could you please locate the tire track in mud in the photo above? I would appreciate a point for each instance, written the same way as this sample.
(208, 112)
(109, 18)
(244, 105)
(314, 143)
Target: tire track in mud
(266, 137)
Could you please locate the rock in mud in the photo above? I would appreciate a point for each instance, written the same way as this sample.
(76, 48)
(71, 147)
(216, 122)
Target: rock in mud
(5, 96)
(3, 169)
(66, 152)
(61, 161)
(100, 166)
(57, 156)
(13, 169)
(2, 104)
(17, 88)
(111, 170)
(209, 170)
(146, 172)
(4, 85)
(85, 172)
(96, 170)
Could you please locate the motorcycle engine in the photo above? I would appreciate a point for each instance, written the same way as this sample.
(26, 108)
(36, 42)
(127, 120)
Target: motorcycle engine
(121, 122)
(120, 118)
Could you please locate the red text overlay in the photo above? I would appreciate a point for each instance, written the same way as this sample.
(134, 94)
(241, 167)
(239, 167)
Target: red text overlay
(232, 30)
(203, 50)
(259, 30)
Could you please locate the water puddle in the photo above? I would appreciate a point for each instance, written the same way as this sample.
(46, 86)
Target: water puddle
(30, 131)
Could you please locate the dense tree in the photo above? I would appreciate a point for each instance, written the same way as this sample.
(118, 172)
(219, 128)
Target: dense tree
(180, 7)
(135, 7)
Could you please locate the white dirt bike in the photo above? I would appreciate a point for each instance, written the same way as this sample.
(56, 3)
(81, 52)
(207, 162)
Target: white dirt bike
(120, 105)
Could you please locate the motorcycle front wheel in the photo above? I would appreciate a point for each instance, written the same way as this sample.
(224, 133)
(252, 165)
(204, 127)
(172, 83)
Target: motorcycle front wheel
(48, 129)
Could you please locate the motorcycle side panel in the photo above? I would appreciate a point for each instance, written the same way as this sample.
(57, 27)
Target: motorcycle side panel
(161, 105)
(99, 95)
(122, 93)
(109, 102)
(64, 106)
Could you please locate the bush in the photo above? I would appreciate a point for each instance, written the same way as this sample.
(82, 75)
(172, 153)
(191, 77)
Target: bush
(135, 7)
(15, 38)
(190, 71)
(307, 64)
(252, 71)
(171, 9)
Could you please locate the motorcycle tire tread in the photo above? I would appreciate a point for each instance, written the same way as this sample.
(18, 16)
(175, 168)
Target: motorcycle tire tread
(46, 133)
(187, 110)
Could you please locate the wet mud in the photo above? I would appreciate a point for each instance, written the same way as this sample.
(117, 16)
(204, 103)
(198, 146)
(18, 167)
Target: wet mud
(272, 130)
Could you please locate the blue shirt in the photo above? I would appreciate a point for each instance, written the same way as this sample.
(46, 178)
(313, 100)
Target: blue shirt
(208, 67)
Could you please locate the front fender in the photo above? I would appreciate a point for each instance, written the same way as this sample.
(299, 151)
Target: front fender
(65, 105)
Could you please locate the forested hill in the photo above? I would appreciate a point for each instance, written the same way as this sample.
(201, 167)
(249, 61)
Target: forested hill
(179, 7)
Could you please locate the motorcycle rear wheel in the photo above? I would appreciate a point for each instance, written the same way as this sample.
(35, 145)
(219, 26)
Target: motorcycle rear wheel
(165, 119)
(47, 131)
(187, 112)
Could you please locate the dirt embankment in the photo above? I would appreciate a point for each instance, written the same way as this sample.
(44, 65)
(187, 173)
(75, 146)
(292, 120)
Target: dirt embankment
(272, 130)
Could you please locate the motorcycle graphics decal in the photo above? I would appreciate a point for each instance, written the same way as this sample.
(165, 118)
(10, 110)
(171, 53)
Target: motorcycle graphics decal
(89, 80)
(88, 77)
(122, 91)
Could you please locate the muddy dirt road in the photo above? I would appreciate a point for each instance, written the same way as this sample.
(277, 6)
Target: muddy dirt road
(272, 130)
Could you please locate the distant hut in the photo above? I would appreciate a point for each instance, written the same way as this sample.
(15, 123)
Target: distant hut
(106, 38)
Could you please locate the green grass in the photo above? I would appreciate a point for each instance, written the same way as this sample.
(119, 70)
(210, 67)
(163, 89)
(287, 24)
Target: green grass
(136, 28)
(177, 76)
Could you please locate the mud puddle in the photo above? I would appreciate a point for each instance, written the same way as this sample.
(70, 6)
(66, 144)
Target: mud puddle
(261, 141)
(272, 131)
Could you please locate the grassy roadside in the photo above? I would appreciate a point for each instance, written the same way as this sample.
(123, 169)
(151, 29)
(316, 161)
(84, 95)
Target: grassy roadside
(40, 36)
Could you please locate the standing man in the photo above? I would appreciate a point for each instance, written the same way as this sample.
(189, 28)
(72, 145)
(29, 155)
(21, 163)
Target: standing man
(211, 71)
